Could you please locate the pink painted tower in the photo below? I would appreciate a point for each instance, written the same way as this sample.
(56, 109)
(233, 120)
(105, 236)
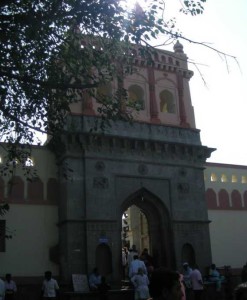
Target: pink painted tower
(161, 89)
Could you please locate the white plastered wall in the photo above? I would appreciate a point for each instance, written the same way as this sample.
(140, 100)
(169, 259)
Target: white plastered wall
(228, 237)
(34, 229)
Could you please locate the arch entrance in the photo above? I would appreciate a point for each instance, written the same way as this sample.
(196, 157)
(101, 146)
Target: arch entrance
(146, 223)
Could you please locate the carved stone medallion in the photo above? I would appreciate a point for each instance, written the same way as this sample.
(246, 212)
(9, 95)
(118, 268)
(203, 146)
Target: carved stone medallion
(142, 169)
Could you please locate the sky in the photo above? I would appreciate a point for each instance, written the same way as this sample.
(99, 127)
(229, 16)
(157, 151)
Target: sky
(218, 86)
(220, 103)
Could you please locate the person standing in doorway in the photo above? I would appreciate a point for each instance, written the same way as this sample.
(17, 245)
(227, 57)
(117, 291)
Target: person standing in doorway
(196, 282)
(148, 260)
(135, 265)
(132, 252)
(124, 262)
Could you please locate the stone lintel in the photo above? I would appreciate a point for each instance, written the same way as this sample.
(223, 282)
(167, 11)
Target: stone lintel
(88, 143)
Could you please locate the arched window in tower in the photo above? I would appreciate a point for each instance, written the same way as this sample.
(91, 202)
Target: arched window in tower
(188, 254)
(163, 59)
(244, 179)
(170, 60)
(213, 177)
(167, 104)
(136, 96)
(156, 56)
(103, 92)
(223, 178)
(104, 259)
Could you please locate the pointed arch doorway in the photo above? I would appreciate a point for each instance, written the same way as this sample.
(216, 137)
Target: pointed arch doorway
(158, 225)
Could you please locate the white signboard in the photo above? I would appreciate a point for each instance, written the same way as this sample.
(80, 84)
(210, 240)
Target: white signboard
(80, 283)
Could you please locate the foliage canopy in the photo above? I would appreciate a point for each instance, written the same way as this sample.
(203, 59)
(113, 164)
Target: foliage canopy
(45, 66)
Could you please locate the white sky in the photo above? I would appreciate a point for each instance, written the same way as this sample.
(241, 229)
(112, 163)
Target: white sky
(221, 107)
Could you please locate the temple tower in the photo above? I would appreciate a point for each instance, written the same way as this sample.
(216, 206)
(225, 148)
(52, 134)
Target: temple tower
(155, 163)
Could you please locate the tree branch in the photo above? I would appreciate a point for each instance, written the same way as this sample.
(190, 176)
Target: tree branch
(13, 118)
(47, 84)
(178, 36)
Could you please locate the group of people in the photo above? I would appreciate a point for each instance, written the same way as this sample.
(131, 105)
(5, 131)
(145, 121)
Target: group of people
(148, 281)
(193, 280)
(160, 284)
(49, 290)
(163, 284)
(240, 292)
(139, 269)
(8, 288)
(182, 285)
(131, 258)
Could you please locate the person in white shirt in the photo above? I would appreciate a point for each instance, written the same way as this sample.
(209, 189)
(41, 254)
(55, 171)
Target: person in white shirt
(135, 265)
(141, 282)
(10, 287)
(50, 288)
(196, 282)
(132, 252)
(2, 289)
(124, 262)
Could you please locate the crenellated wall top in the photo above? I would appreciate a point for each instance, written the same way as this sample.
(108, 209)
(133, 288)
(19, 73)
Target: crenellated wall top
(138, 130)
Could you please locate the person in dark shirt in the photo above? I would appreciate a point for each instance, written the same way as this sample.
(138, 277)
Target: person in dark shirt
(148, 260)
(165, 285)
(244, 273)
(103, 289)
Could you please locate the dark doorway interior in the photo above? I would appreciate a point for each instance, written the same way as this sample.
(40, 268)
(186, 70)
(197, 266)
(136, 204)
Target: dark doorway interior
(149, 226)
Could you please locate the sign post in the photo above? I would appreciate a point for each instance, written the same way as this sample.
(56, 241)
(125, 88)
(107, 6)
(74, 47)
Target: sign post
(80, 283)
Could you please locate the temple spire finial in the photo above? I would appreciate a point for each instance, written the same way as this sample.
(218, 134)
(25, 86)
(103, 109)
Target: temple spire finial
(178, 47)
